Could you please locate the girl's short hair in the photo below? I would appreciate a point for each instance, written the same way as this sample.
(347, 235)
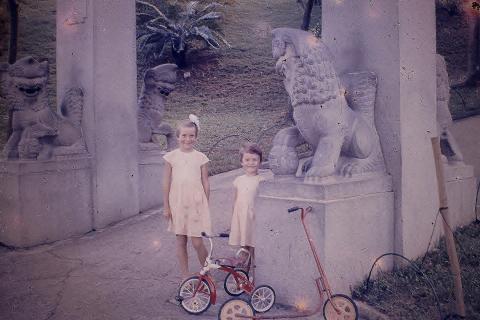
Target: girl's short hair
(251, 148)
(186, 124)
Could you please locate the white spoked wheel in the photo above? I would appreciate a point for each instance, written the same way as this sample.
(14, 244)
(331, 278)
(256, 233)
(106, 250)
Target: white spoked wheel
(263, 298)
(231, 286)
(347, 309)
(191, 301)
(234, 307)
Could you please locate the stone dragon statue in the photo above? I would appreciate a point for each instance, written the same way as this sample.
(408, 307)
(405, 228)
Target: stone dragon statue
(336, 121)
(158, 83)
(37, 131)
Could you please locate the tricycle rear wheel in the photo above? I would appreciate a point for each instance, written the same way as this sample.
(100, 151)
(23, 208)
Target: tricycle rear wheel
(231, 285)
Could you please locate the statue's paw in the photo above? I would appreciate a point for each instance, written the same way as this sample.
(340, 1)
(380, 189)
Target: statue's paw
(9, 154)
(319, 172)
(347, 169)
(307, 165)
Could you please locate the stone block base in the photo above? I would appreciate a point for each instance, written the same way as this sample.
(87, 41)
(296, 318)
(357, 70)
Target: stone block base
(461, 193)
(44, 201)
(150, 169)
(351, 225)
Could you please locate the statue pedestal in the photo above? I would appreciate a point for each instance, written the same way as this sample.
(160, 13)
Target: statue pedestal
(150, 167)
(351, 225)
(44, 201)
(461, 193)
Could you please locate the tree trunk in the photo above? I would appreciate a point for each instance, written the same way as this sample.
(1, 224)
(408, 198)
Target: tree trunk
(12, 51)
(12, 48)
(307, 13)
(180, 56)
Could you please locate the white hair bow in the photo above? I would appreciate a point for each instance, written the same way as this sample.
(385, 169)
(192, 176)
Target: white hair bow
(194, 119)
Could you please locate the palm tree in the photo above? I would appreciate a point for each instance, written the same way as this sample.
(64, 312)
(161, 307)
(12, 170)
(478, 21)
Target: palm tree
(162, 31)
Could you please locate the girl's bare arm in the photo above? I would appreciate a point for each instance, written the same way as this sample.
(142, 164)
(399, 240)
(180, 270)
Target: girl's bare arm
(167, 181)
(205, 183)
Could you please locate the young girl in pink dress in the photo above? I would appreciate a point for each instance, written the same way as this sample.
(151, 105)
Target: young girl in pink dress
(185, 193)
(243, 218)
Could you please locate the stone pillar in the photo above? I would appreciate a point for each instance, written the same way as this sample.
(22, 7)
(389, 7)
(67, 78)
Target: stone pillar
(96, 51)
(396, 40)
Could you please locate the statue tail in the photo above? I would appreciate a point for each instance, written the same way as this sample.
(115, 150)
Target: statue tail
(72, 106)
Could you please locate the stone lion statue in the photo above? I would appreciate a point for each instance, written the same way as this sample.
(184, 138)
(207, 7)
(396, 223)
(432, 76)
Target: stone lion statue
(37, 131)
(336, 121)
(158, 83)
(448, 144)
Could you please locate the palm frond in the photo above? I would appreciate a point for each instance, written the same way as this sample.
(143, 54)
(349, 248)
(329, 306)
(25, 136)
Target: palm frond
(219, 36)
(144, 17)
(158, 11)
(190, 8)
(156, 39)
(210, 6)
(207, 35)
(209, 16)
(159, 28)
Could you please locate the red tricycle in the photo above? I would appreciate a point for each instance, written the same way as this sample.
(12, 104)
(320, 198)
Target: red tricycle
(336, 306)
(198, 292)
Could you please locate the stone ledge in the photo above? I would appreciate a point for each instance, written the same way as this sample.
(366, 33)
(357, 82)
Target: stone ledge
(23, 167)
(289, 187)
(457, 171)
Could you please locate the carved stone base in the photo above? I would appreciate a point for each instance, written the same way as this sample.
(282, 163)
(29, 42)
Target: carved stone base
(44, 201)
(351, 224)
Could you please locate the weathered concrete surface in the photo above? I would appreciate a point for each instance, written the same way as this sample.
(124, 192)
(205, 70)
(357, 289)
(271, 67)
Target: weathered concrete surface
(150, 170)
(461, 193)
(44, 201)
(396, 40)
(126, 271)
(467, 131)
(96, 51)
(351, 225)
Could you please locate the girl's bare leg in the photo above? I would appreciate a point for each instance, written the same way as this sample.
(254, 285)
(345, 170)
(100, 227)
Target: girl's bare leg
(251, 261)
(202, 252)
(182, 254)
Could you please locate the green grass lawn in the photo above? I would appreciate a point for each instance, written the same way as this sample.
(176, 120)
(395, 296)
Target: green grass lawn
(405, 293)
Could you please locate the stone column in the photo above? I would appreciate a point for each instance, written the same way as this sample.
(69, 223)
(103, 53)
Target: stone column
(396, 40)
(96, 51)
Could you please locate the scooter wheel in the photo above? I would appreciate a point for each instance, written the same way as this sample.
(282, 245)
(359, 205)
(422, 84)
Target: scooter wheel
(191, 301)
(262, 298)
(230, 284)
(347, 309)
(231, 309)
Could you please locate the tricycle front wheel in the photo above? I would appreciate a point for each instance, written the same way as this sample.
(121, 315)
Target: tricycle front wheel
(347, 309)
(195, 295)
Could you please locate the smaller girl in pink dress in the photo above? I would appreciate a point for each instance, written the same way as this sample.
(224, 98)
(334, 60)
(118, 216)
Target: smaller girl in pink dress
(243, 218)
(185, 193)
